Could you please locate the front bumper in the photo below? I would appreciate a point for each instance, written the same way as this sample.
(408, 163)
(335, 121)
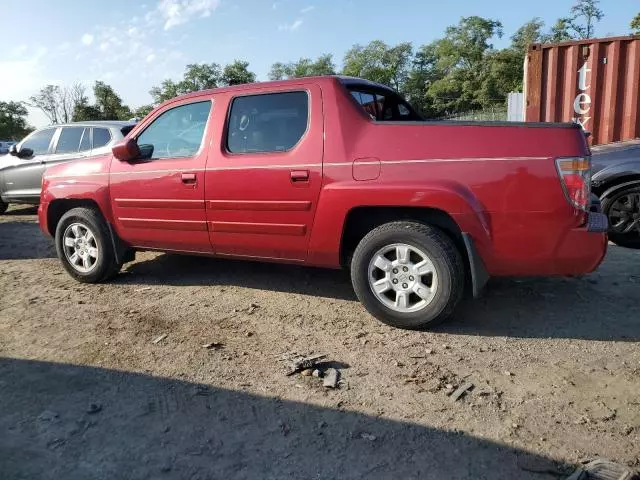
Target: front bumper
(42, 217)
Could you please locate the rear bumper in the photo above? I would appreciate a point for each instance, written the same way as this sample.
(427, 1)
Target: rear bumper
(42, 217)
(583, 249)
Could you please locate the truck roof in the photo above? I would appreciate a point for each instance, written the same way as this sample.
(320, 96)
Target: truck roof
(97, 123)
(282, 83)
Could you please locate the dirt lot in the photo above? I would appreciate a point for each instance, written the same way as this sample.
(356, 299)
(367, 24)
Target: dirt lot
(85, 393)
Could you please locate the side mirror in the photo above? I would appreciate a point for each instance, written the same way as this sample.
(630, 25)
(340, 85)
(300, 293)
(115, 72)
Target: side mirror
(24, 152)
(13, 150)
(127, 150)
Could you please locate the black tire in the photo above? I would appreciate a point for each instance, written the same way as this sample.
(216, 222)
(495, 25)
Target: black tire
(3, 207)
(106, 265)
(440, 250)
(631, 239)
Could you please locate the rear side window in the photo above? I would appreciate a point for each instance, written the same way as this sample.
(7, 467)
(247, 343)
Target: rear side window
(69, 140)
(273, 122)
(39, 141)
(101, 136)
(382, 105)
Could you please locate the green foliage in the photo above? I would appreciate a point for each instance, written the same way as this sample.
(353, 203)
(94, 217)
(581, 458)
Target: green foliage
(560, 32)
(380, 62)
(584, 15)
(142, 111)
(635, 24)
(305, 67)
(202, 76)
(109, 103)
(237, 73)
(529, 33)
(13, 121)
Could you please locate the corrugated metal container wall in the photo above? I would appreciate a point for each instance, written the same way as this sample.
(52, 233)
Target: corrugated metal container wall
(594, 82)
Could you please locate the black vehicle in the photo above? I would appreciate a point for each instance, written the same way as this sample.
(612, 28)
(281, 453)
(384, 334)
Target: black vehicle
(616, 180)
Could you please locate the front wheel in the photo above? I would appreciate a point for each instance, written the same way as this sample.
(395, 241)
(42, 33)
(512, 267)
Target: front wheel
(623, 211)
(408, 274)
(84, 247)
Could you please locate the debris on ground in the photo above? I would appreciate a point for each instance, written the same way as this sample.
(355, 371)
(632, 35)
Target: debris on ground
(368, 436)
(601, 469)
(159, 339)
(213, 345)
(461, 390)
(508, 373)
(143, 289)
(252, 308)
(307, 372)
(331, 377)
(304, 363)
(317, 373)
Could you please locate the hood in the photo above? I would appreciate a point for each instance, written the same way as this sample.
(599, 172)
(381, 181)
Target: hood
(80, 168)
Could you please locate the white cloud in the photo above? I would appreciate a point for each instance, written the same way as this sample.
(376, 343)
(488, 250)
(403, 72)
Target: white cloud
(87, 39)
(307, 9)
(177, 12)
(151, 57)
(291, 27)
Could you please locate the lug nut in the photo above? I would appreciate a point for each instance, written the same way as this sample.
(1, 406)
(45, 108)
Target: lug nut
(404, 285)
(395, 280)
(405, 269)
(395, 270)
(411, 278)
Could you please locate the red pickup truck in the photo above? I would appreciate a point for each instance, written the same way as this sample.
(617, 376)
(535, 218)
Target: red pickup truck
(334, 172)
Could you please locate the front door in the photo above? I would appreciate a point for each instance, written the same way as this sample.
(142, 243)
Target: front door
(158, 202)
(264, 175)
(23, 177)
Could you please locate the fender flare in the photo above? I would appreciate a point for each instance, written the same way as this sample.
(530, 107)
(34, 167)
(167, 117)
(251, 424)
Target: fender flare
(620, 186)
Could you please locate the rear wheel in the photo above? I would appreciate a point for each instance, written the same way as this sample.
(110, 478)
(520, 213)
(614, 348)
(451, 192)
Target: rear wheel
(84, 247)
(408, 274)
(3, 207)
(623, 211)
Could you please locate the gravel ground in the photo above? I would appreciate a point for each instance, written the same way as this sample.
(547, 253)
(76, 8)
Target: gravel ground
(85, 393)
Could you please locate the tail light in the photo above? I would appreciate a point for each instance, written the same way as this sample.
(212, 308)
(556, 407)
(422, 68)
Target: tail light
(575, 175)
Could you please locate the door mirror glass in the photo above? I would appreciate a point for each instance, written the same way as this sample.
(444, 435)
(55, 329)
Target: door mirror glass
(13, 150)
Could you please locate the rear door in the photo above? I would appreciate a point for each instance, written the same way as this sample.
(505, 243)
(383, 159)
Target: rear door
(73, 143)
(159, 202)
(24, 178)
(264, 175)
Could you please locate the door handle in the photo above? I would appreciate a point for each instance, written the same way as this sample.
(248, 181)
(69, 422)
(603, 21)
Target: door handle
(299, 175)
(188, 178)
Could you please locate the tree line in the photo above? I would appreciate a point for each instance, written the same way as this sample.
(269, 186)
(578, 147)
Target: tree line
(460, 72)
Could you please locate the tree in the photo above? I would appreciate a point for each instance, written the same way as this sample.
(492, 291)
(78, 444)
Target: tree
(584, 15)
(560, 31)
(59, 104)
(464, 58)
(109, 103)
(305, 67)
(380, 63)
(635, 24)
(197, 76)
(529, 33)
(237, 73)
(424, 71)
(142, 111)
(13, 121)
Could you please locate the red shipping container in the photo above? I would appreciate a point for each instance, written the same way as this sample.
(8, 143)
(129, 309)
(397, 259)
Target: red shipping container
(593, 82)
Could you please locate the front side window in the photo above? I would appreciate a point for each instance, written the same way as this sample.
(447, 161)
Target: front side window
(178, 132)
(273, 122)
(69, 140)
(101, 136)
(39, 141)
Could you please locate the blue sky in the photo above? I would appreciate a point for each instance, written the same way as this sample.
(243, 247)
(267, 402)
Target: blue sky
(134, 46)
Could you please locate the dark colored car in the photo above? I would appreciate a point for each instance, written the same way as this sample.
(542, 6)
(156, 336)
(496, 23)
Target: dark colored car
(616, 180)
(21, 171)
